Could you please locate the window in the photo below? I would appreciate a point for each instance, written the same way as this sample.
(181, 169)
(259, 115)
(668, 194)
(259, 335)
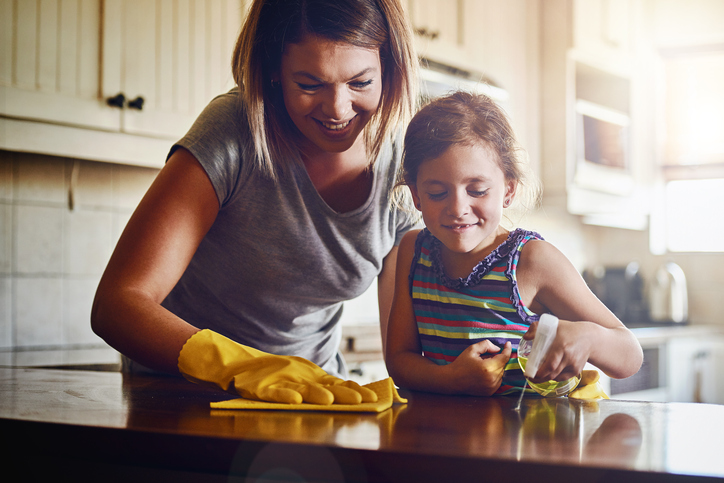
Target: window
(694, 215)
(694, 109)
(688, 210)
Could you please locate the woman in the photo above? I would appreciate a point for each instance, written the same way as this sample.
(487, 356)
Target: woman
(274, 208)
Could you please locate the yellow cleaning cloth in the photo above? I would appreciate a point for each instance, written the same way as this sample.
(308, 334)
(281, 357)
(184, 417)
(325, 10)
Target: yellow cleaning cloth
(589, 387)
(385, 389)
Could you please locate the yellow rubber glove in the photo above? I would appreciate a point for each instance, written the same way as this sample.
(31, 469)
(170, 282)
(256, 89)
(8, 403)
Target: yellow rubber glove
(589, 387)
(209, 357)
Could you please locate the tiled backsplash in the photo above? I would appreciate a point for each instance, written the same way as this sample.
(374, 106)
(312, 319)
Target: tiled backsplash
(52, 255)
(59, 221)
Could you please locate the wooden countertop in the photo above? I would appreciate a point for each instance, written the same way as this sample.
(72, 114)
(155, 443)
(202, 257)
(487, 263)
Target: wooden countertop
(104, 426)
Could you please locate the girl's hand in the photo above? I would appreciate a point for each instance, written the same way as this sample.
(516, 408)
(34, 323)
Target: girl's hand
(568, 353)
(478, 370)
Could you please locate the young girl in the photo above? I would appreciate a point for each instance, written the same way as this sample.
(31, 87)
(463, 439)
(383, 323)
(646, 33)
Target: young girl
(466, 288)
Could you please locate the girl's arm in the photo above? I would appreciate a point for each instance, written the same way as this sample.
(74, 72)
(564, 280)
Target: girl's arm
(150, 257)
(587, 331)
(477, 371)
(385, 291)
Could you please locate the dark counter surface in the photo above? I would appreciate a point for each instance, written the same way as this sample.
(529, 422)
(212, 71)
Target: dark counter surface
(104, 426)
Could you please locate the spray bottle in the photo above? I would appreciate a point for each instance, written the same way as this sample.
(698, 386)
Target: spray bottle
(531, 355)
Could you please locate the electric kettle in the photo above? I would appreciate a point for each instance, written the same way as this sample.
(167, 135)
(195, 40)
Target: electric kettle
(668, 299)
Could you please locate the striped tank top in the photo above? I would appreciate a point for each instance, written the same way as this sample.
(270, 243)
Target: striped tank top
(452, 314)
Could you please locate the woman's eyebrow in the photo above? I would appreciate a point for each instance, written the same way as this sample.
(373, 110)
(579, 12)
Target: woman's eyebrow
(308, 75)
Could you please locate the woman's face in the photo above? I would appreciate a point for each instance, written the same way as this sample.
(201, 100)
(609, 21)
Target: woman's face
(331, 90)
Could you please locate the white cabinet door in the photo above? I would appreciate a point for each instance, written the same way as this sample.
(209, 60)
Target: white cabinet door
(60, 61)
(605, 28)
(439, 27)
(174, 55)
(695, 369)
(50, 63)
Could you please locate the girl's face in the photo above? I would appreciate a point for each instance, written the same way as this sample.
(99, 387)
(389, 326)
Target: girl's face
(461, 195)
(331, 90)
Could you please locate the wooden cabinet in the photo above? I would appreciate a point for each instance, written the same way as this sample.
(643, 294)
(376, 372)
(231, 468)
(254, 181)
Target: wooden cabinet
(61, 61)
(693, 365)
(681, 364)
(175, 55)
(597, 94)
(493, 41)
(440, 28)
(605, 28)
(50, 65)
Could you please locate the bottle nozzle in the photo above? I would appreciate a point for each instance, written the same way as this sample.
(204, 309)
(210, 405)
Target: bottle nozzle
(544, 335)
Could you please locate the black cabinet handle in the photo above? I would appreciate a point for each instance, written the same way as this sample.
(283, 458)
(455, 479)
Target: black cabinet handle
(116, 101)
(136, 103)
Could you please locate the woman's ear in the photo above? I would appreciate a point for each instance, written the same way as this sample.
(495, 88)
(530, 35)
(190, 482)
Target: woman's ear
(274, 79)
(415, 196)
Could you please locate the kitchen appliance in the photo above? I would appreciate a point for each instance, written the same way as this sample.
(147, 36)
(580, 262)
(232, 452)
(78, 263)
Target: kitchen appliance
(437, 79)
(621, 289)
(668, 297)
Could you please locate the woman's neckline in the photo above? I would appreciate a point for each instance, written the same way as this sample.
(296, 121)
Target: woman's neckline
(344, 187)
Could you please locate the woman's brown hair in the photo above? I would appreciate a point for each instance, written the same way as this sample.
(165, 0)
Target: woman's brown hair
(272, 24)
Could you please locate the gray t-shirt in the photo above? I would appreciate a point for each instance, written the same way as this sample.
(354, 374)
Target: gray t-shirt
(278, 262)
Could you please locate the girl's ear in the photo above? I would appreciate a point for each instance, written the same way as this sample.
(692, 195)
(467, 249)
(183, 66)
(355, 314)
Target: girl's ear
(415, 196)
(510, 189)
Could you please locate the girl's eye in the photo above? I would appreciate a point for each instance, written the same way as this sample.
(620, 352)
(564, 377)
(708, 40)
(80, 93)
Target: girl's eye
(361, 84)
(437, 196)
(477, 194)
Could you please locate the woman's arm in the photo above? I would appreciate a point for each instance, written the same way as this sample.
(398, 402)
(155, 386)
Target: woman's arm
(588, 331)
(477, 371)
(149, 259)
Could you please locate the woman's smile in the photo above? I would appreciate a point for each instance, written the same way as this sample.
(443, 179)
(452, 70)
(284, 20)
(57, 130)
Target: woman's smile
(331, 91)
(335, 126)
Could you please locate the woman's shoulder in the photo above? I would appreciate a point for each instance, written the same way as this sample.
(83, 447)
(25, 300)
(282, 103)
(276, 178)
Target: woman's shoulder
(220, 140)
(225, 109)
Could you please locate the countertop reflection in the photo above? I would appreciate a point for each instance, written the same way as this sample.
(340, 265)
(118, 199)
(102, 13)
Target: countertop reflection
(145, 427)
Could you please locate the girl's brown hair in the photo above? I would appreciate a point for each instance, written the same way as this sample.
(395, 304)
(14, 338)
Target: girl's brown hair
(466, 119)
(272, 24)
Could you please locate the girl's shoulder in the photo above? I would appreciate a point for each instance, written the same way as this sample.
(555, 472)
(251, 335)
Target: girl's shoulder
(521, 236)
(409, 240)
(541, 257)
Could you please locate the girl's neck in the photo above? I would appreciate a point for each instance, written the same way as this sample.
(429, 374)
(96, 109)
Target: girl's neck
(460, 265)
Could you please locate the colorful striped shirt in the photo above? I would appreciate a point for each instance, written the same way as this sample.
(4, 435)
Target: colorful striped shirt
(451, 314)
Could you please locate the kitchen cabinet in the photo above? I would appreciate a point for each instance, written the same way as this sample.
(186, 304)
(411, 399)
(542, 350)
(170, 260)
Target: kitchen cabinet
(62, 61)
(692, 366)
(489, 41)
(50, 66)
(680, 365)
(439, 28)
(597, 67)
(605, 28)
